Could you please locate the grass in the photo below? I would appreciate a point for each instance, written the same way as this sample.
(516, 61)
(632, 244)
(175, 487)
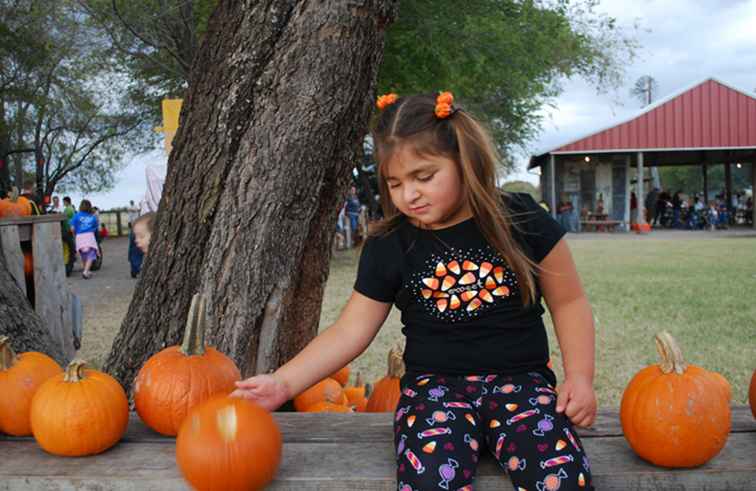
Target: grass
(701, 290)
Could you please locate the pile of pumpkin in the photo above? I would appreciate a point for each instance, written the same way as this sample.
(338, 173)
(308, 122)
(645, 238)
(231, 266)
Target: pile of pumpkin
(334, 395)
(15, 206)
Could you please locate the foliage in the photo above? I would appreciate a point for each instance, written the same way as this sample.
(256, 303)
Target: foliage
(689, 179)
(522, 187)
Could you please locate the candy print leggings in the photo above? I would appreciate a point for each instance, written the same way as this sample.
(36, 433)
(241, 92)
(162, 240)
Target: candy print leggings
(442, 423)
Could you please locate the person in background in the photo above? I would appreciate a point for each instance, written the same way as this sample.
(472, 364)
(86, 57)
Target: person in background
(132, 212)
(55, 206)
(143, 230)
(103, 231)
(353, 209)
(84, 224)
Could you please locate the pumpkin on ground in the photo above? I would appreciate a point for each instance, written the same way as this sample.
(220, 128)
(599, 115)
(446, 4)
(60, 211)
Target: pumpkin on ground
(178, 378)
(20, 377)
(342, 376)
(752, 394)
(15, 205)
(387, 391)
(674, 414)
(357, 394)
(79, 412)
(327, 390)
(229, 444)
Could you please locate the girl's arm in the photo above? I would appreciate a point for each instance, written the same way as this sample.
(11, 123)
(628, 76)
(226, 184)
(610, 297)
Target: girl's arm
(357, 325)
(573, 323)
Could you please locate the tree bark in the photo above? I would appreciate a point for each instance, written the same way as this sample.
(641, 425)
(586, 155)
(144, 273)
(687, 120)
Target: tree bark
(270, 131)
(20, 322)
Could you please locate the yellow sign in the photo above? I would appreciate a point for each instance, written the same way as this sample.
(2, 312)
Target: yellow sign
(171, 111)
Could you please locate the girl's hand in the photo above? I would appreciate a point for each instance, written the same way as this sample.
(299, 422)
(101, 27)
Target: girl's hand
(577, 400)
(265, 390)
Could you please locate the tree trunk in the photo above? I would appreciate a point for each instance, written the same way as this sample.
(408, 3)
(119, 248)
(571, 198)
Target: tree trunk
(270, 131)
(20, 322)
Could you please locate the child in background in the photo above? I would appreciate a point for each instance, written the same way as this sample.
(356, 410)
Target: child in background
(467, 265)
(84, 226)
(142, 228)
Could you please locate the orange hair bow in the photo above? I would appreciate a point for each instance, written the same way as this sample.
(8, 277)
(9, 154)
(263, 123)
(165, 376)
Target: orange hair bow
(386, 100)
(444, 105)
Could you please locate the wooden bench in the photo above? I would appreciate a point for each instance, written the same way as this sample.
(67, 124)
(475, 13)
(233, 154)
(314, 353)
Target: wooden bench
(355, 452)
(600, 225)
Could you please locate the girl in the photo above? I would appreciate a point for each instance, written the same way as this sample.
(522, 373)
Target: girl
(467, 266)
(142, 230)
(84, 225)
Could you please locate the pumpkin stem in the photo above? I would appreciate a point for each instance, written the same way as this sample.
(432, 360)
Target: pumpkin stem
(670, 354)
(194, 334)
(358, 380)
(7, 356)
(75, 371)
(395, 363)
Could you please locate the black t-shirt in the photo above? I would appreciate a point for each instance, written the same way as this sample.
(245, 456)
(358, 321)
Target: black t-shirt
(461, 306)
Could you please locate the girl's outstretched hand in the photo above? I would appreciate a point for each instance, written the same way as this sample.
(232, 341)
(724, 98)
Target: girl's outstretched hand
(265, 390)
(577, 399)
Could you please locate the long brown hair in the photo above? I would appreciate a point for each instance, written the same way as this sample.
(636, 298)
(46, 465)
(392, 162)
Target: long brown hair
(462, 139)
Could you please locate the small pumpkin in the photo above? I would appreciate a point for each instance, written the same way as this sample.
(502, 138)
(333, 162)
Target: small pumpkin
(674, 414)
(79, 412)
(28, 264)
(15, 205)
(327, 390)
(752, 394)
(357, 394)
(20, 377)
(328, 407)
(342, 376)
(230, 444)
(387, 391)
(178, 378)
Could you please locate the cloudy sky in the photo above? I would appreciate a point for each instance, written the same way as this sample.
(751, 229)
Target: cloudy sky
(681, 43)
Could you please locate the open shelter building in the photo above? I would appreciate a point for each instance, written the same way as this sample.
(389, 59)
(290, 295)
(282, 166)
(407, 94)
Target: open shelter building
(708, 123)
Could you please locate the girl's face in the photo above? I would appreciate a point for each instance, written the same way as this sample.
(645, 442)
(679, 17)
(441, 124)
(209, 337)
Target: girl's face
(427, 189)
(142, 236)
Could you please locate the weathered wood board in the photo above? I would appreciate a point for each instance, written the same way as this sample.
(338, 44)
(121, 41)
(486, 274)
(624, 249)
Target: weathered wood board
(330, 452)
(14, 256)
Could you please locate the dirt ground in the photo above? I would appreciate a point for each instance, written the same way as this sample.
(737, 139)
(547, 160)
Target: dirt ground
(105, 299)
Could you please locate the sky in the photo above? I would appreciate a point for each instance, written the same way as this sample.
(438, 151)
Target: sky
(681, 43)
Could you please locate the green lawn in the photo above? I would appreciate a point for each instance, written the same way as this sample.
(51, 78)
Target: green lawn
(701, 290)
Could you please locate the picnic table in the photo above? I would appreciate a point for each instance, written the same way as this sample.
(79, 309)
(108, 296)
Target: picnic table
(599, 222)
(355, 452)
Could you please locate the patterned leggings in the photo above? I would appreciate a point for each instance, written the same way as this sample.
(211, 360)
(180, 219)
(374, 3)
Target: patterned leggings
(442, 422)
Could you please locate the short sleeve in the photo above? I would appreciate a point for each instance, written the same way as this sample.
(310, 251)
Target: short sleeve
(378, 275)
(535, 226)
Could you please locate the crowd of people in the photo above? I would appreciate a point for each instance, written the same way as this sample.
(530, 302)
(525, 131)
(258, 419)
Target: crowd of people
(691, 212)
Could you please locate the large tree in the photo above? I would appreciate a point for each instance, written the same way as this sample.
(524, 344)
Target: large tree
(277, 107)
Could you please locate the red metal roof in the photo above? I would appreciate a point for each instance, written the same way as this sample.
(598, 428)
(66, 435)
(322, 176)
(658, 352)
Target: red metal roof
(707, 115)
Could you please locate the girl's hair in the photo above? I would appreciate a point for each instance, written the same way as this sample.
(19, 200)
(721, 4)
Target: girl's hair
(85, 206)
(461, 138)
(148, 219)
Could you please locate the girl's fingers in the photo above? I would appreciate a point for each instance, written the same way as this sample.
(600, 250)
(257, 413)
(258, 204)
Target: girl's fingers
(247, 384)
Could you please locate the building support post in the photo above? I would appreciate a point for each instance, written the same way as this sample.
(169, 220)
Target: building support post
(728, 187)
(552, 185)
(705, 168)
(641, 218)
(628, 165)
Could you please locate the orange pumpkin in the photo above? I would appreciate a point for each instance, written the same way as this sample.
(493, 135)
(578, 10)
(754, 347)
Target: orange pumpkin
(386, 392)
(327, 390)
(20, 377)
(15, 205)
(28, 264)
(357, 395)
(674, 414)
(79, 412)
(752, 394)
(227, 443)
(328, 407)
(178, 378)
(342, 376)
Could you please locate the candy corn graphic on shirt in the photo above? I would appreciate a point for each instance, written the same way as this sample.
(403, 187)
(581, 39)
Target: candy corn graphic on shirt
(461, 305)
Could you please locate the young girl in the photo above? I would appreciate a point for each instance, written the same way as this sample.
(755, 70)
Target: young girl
(84, 225)
(467, 266)
(142, 229)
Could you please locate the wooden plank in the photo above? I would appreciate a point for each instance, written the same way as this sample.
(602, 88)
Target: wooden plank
(349, 466)
(377, 427)
(53, 300)
(52, 217)
(14, 256)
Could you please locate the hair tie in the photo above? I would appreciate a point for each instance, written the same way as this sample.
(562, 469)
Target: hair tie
(444, 105)
(386, 100)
